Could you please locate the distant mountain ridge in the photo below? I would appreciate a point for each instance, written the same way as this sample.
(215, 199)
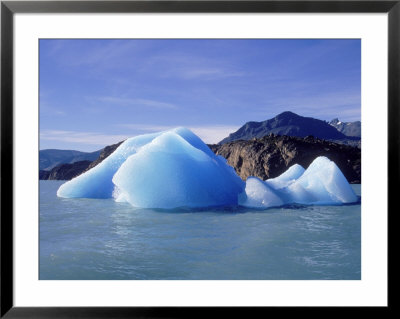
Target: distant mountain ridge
(289, 124)
(67, 171)
(347, 128)
(50, 158)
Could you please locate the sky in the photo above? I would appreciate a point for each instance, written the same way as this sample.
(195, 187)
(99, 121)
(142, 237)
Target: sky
(94, 93)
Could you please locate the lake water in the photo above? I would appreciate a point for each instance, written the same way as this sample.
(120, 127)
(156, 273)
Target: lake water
(101, 239)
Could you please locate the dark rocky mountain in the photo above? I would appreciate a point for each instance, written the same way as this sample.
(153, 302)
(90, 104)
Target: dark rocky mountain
(347, 128)
(271, 155)
(290, 124)
(65, 171)
(51, 158)
(69, 171)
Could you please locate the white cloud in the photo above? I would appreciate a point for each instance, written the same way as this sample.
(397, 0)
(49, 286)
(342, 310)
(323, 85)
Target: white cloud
(213, 134)
(211, 73)
(47, 108)
(143, 128)
(137, 102)
(87, 138)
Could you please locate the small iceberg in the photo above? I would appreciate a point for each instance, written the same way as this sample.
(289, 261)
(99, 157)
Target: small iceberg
(176, 168)
(322, 183)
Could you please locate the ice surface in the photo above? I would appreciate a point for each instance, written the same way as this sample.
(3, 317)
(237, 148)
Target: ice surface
(165, 170)
(321, 184)
(259, 194)
(326, 182)
(287, 178)
(170, 172)
(97, 182)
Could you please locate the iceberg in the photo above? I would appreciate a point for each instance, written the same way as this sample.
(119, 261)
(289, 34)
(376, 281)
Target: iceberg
(176, 168)
(164, 170)
(322, 183)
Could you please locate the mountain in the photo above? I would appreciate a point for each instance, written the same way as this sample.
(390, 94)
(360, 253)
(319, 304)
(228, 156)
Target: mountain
(65, 171)
(68, 171)
(50, 158)
(347, 128)
(290, 124)
(271, 155)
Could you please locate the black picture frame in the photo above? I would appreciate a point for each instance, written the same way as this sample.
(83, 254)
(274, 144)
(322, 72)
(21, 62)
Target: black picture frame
(9, 8)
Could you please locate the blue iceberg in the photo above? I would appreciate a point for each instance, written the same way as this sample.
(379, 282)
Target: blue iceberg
(322, 183)
(164, 170)
(176, 168)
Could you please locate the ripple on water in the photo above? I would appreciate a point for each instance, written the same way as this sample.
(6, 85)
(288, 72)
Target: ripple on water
(102, 239)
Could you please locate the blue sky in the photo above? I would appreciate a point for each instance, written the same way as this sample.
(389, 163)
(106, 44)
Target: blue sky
(97, 92)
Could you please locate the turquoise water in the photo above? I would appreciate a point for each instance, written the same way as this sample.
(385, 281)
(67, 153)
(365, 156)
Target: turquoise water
(101, 239)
